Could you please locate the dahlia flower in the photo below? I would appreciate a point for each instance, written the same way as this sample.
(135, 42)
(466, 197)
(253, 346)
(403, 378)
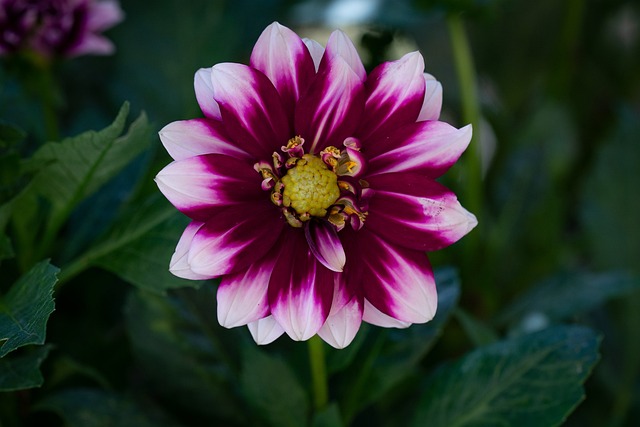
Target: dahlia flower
(311, 189)
(51, 28)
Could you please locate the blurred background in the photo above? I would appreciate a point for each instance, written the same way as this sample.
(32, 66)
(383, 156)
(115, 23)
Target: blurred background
(558, 132)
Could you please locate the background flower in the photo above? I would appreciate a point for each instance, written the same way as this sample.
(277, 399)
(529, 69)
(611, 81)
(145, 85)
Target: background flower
(57, 28)
(311, 189)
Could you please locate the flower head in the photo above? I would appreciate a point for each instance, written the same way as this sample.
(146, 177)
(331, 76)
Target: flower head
(311, 188)
(57, 28)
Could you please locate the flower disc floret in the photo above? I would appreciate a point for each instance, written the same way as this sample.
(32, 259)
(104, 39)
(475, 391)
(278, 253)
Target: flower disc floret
(309, 187)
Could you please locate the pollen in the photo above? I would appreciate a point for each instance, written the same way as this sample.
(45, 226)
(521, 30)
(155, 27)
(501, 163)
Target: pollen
(310, 187)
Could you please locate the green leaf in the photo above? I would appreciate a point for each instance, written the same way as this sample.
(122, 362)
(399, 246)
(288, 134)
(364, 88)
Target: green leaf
(76, 167)
(547, 302)
(139, 246)
(532, 380)
(67, 172)
(85, 407)
(25, 309)
(182, 356)
(142, 246)
(23, 371)
(272, 390)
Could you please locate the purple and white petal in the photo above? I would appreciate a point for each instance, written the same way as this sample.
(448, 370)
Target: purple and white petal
(301, 289)
(316, 50)
(343, 323)
(432, 104)
(331, 109)
(251, 108)
(325, 244)
(265, 331)
(429, 148)
(283, 57)
(204, 94)
(242, 296)
(395, 93)
(399, 281)
(340, 45)
(104, 14)
(416, 212)
(375, 317)
(92, 44)
(189, 138)
(197, 184)
(231, 240)
(179, 265)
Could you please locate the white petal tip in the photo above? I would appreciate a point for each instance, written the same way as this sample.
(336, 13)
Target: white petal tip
(472, 220)
(265, 331)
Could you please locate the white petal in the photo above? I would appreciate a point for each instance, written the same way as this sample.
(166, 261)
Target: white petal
(315, 49)
(265, 330)
(342, 324)
(242, 297)
(325, 244)
(376, 317)
(179, 265)
(204, 94)
(432, 104)
(339, 44)
(188, 138)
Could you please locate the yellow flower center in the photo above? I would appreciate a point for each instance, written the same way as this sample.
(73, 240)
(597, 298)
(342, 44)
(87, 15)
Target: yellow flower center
(309, 187)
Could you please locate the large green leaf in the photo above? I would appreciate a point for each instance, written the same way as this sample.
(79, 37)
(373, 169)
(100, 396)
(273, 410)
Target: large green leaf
(65, 173)
(272, 390)
(71, 170)
(25, 309)
(183, 358)
(532, 380)
(139, 248)
(547, 302)
(23, 371)
(86, 407)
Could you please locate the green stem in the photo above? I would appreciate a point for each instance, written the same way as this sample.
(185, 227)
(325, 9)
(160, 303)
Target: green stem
(470, 111)
(472, 249)
(318, 373)
(49, 103)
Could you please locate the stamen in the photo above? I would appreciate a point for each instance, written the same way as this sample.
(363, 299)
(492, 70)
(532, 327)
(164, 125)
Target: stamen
(291, 218)
(306, 185)
(294, 147)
